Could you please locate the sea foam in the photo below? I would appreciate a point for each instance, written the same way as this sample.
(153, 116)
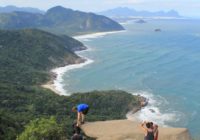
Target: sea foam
(152, 111)
(59, 81)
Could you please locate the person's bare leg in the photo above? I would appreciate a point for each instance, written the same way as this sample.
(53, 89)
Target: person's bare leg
(79, 118)
(82, 118)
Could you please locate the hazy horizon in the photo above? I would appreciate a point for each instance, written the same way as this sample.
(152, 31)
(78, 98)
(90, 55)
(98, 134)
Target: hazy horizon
(185, 8)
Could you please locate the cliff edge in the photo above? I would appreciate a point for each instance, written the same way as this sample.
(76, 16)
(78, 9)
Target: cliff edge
(129, 130)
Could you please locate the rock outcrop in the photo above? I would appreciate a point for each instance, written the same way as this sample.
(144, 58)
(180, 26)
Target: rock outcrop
(129, 130)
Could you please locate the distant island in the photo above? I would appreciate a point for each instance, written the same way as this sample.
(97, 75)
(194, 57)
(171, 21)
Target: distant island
(124, 13)
(59, 20)
(140, 21)
(157, 30)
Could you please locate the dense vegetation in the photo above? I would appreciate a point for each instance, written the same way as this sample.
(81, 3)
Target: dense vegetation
(28, 103)
(38, 129)
(59, 20)
(26, 109)
(27, 55)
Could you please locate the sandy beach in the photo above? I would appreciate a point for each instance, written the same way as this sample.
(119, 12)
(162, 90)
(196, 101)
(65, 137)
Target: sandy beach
(51, 86)
(56, 83)
(96, 35)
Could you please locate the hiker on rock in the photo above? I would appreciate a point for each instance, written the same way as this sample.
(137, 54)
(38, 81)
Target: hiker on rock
(155, 129)
(149, 130)
(82, 110)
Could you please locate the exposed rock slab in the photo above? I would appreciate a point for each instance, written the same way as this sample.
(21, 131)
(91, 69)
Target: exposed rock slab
(129, 130)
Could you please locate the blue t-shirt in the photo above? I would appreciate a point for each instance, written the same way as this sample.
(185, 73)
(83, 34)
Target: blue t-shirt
(82, 107)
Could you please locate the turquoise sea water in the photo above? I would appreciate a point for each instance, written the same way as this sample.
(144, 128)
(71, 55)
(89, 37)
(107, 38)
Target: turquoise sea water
(164, 66)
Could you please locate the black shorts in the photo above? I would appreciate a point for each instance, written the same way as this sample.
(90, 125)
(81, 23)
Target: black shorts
(85, 111)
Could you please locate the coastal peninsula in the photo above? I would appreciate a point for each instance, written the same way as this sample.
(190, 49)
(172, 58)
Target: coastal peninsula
(24, 102)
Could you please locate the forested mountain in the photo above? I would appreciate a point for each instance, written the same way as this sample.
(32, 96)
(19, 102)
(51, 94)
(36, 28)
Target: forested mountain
(11, 8)
(59, 20)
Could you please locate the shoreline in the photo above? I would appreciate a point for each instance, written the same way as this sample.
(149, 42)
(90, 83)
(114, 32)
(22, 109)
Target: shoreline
(150, 112)
(143, 102)
(55, 84)
(96, 35)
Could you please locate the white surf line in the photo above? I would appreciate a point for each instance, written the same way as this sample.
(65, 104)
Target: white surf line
(58, 82)
(96, 35)
(152, 112)
(60, 71)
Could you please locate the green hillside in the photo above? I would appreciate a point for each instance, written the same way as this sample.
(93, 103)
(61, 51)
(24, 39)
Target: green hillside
(27, 55)
(59, 20)
(28, 111)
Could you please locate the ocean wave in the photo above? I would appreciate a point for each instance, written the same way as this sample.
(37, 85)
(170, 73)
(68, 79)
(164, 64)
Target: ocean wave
(59, 81)
(152, 112)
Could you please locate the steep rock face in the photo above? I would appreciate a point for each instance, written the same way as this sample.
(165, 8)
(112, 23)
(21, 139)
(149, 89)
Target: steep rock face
(129, 130)
(59, 20)
(67, 20)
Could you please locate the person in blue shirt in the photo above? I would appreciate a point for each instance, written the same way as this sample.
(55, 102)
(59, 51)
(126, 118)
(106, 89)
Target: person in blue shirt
(82, 110)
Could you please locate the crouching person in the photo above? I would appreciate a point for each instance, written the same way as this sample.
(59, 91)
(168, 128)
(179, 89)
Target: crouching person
(82, 110)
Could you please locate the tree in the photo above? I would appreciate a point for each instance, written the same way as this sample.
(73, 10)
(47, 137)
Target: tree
(9, 127)
(42, 129)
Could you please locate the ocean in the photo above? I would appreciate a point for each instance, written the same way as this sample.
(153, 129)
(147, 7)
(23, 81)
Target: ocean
(163, 66)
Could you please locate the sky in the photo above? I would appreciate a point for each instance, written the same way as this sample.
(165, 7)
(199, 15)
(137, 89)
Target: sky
(189, 8)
